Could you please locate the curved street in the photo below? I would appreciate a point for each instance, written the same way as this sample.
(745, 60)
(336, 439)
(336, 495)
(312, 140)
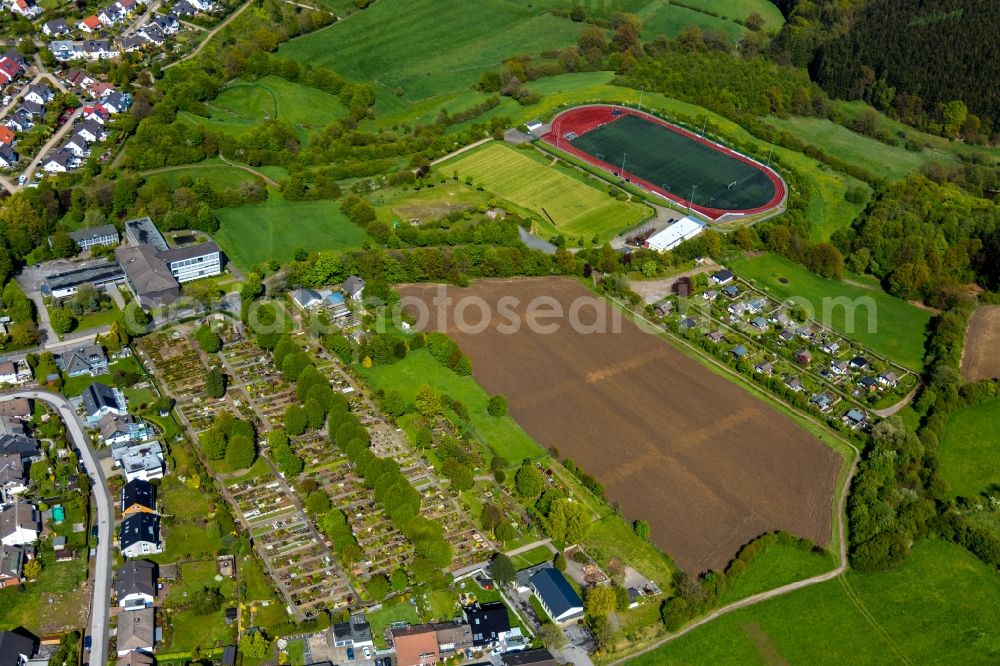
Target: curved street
(100, 601)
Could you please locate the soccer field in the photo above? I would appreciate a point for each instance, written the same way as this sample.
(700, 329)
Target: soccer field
(574, 207)
(678, 164)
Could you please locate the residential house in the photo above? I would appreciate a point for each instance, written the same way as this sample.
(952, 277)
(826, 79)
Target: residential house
(539, 657)
(855, 418)
(64, 50)
(354, 287)
(859, 363)
(77, 78)
(710, 295)
(12, 559)
(453, 637)
(868, 383)
(135, 584)
(794, 383)
(739, 351)
(806, 331)
(803, 357)
(168, 23)
(135, 658)
(139, 534)
(8, 372)
(731, 291)
(663, 309)
(33, 109)
(55, 27)
(416, 645)
(687, 323)
(307, 299)
(98, 49)
(183, 8)
(96, 113)
(716, 336)
(838, 367)
(109, 15)
(138, 496)
(15, 649)
(831, 347)
(756, 305)
(131, 43)
(16, 408)
(136, 631)
(39, 93)
(18, 443)
(786, 335)
(13, 477)
(118, 429)
(89, 359)
(58, 162)
(99, 400)
(20, 524)
(202, 5)
(152, 33)
(738, 309)
(26, 8)
(75, 146)
(100, 89)
(10, 69)
(556, 596)
(355, 633)
(16, 56)
(140, 461)
(7, 136)
(724, 276)
(759, 323)
(888, 379)
(19, 121)
(782, 319)
(764, 368)
(489, 622)
(822, 401)
(8, 157)
(93, 131)
(89, 24)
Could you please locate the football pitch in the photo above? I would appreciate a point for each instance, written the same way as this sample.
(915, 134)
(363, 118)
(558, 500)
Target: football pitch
(669, 160)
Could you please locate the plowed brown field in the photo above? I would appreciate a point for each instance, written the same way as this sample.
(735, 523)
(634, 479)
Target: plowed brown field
(707, 464)
(981, 360)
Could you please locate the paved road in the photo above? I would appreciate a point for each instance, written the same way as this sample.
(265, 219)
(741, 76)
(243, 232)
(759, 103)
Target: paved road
(51, 143)
(100, 602)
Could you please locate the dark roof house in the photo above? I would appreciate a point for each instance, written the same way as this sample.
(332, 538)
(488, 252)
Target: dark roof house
(489, 622)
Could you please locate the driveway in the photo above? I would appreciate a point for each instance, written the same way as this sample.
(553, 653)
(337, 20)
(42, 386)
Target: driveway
(100, 601)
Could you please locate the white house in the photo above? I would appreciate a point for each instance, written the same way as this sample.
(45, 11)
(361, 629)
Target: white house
(55, 27)
(39, 93)
(354, 287)
(135, 584)
(26, 8)
(76, 146)
(20, 524)
(100, 400)
(91, 131)
(140, 535)
(8, 372)
(57, 162)
(7, 156)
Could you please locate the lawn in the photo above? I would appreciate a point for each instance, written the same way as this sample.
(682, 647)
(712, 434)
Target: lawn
(928, 610)
(74, 386)
(574, 207)
(54, 602)
(970, 451)
(503, 435)
(893, 162)
(244, 104)
(532, 557)
(383, 617)
(416, 49)
(276, 228)
(611, 537)
(778, 565)
(214, 171)
(394, 205)
(897, 328)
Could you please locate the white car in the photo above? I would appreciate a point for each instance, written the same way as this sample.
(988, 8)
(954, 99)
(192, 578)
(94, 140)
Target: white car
(367, 653)
(498, 649)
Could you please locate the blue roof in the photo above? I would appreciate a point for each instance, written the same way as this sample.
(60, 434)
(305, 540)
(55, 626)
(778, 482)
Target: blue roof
(556, 591)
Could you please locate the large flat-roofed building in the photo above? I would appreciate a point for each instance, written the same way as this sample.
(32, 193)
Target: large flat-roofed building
(67, 282)
(683, 229)
(194, 261)
(105, 234)
(142, 231)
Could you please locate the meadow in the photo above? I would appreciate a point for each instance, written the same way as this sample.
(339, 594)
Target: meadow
(899, 328)
(777, 565)
(502, 434)
(244, 104)
(216, 173)
(969, 454)
(928, 610)
(276, 228)
(575, 208)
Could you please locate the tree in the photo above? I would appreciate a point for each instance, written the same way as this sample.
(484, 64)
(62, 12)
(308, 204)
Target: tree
(460, 475)
(428, 402)
(559, 562)
(755, 21)
(215, 383)
(61, 319)
(213, 444)
(552, 636)
(296, 420)
(953, 115)
(497, 406)
(641, 529)
(528, 481)
(240, 452)
(600, 601)
(63, 246)
(315, 413)
(394, 403)
(318, 502)
(568, 521)
(504, 531)
(206, 601)
(502, 569)
(255, 645)
(378, 586)
(208, 340)
(32, 569)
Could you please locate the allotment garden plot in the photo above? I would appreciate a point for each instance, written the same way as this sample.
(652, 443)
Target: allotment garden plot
(710, 466)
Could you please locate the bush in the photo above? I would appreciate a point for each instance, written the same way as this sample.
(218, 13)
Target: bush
(497, 406)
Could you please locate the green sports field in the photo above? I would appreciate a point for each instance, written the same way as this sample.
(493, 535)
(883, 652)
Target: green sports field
(935, 608)
(676, 163)
(574, 207)
(276, 228)
(970, 452)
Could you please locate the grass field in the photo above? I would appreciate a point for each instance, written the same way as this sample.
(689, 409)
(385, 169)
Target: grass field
(503, 434)
(970, 452)
(395, 205)
(274, 229)
(576, 208)
(217, 173)
(931, 609)
(778, 565)
(667, 158)
(53, 602)
(415, 46)
(899, 328)
(893, 162)
(242, 105)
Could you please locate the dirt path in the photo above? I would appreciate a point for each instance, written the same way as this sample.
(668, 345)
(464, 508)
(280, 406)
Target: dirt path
(461, 150)
(889, 411)
(267, 179)
(211, 34)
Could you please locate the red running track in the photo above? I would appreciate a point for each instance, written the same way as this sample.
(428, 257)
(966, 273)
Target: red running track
(582, 119)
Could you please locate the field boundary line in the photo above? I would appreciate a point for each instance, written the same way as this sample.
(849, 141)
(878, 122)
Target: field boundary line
(867, 614)
(841, 528)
